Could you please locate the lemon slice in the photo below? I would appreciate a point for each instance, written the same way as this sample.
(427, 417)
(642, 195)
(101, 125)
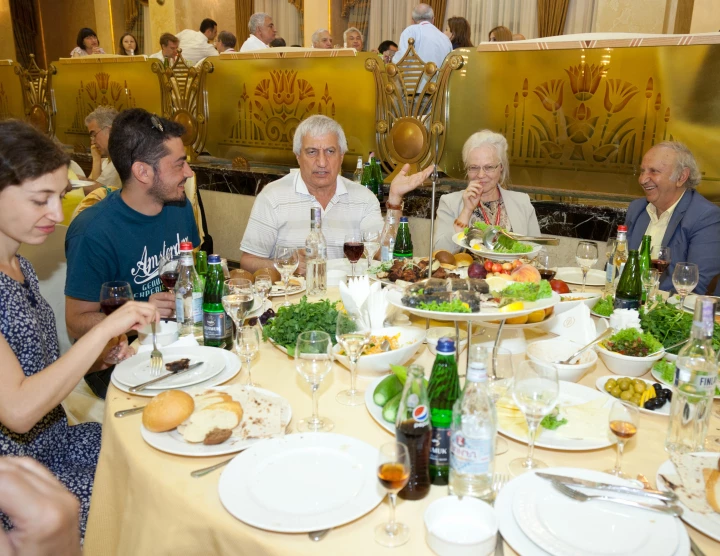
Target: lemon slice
(514, 306)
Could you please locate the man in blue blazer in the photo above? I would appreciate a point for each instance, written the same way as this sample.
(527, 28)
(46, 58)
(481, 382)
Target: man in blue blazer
(675, 214)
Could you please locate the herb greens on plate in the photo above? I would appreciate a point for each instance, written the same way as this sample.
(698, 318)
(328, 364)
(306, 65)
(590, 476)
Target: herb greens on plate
(671, 325)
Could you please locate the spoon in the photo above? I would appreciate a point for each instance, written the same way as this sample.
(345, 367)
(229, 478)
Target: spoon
(601, 337)
(205, 470)
(385, 346)
(318, 535)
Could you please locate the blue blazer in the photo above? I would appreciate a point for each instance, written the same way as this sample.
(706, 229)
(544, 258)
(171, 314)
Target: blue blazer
(693, 235)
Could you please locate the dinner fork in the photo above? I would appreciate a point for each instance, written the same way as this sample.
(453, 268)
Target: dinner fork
(498, 482)
(156, 358)
(582, 497)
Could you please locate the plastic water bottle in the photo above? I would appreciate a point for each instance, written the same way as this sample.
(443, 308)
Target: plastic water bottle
(472, 444)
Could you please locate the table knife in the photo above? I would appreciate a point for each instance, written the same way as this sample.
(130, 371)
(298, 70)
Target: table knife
(656, 494)
(144, 385)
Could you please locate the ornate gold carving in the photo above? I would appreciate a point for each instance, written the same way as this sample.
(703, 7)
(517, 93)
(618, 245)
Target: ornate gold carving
(36, 86)
(278, 104)
(241, 163)
(103, 91)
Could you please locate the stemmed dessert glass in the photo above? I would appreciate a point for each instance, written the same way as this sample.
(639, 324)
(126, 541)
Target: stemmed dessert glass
(237, 300)
(353, 334)
(248, 345)
(286, 262)
(393, 474)
(313, 360)
(499, 377)
(535, 391)
(586, 255)
(168, 270)
(623, 420)
(685, 278)
(371, 241)
(353, 248)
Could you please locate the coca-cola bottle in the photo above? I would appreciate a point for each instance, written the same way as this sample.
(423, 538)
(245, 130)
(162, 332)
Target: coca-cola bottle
(413, 428)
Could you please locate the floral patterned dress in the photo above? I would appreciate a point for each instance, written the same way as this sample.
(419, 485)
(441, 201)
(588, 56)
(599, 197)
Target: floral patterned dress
(71, 453)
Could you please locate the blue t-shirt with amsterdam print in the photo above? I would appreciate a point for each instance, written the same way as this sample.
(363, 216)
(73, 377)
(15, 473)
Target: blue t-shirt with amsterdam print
(110, 241)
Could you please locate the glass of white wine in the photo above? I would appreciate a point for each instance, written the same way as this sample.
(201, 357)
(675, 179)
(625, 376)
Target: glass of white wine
(353, 334)
(286, 262)
(586, 255)
(313, 360)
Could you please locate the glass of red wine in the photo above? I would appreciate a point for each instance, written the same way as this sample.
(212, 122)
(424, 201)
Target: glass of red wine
(545, 265)
(168, 270)
(114, 295)
(393, 474)
(661, 260)
(353, 247)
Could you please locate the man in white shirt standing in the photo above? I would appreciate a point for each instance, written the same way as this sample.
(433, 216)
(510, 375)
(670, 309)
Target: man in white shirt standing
(431, 44)
(262, 32)
(197, 45)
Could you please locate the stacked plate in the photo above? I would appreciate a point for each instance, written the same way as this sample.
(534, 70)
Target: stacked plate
(537, 520)
(218, 366)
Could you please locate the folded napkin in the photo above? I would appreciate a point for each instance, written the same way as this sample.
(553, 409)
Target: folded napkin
(377, 306)
(575, 325)
(625, 318)
(183, 341)
(365, 299)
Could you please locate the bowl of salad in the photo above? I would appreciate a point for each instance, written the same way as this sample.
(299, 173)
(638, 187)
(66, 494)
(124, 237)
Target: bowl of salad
(403, 343)
(628, 352)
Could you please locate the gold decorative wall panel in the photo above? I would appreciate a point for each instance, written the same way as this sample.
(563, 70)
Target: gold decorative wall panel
(83, 84)
(11, 102)
(36, 87)
(583, 118)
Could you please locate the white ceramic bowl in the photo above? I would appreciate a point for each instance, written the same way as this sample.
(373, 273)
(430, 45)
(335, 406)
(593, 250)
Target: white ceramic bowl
(411, 340)
(626, 365)
(461, 527)
(166, 333)
(589, 299)
(549, 351)
(437, 332)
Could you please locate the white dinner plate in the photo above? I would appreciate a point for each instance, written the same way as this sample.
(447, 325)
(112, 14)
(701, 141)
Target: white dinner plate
(494, 255)
(689, 303)
(259, 308)
(562, 526)
(81, 183)
(394, 296)
(173, 442)
(375, 410)
(600, 385)
(279, 291)
(705, 523)
(573, 275)
(136, 369)
(657, 377)
(522, 544)
(232, 368)
(570, 394)
(302, 482)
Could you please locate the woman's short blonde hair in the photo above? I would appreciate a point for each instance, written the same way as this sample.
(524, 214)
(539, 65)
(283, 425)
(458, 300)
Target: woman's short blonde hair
(495, 140)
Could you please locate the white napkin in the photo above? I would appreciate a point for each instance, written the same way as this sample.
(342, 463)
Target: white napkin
(625, 318)
(355, 293)
(183, 341)
(377, 306)
(576, 325)
(365, 299)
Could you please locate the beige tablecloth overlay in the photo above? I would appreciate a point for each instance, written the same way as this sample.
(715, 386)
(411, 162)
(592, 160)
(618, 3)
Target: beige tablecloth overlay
(145, 502)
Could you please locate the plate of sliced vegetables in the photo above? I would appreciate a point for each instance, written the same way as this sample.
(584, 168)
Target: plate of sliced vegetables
(382, 397)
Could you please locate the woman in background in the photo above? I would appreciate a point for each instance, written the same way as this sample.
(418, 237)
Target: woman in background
(458, 31)
(87, 44)
(128, 45)
(500, 34)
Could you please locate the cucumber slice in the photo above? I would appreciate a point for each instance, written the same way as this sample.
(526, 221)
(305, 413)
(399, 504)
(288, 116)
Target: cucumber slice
(390, 410)
(388, 388)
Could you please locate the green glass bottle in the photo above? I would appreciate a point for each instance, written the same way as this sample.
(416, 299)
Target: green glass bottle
(644, 260)
(377, 177)
(201, 266)
(217, 326)
(403, 242)
(629, 289)
(366, 175)
(443, 392)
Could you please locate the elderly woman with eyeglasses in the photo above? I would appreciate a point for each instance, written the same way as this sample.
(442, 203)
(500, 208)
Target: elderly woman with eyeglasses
(486, 162)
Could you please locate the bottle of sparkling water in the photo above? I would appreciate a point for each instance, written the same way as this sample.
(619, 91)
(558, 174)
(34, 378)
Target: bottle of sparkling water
(443, 392)
(695, 377)
(387, 237)
(217, 326)
(188, 294)
(472, 441)
(316, 255)
(403, 248)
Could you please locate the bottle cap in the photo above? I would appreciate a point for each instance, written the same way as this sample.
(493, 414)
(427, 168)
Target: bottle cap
(186, 246)
(622, 228)
(214, 259)
(403, 219)
(446, 345)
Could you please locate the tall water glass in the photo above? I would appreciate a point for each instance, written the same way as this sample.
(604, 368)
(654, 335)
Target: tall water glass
(535, 390)
(313, 360)
(286, 262)
(263, 285)
(586, 255)
(353, 334)
(685, 277)
(248, 346)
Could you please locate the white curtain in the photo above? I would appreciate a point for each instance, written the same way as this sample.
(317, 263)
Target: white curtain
(387, 20)
(285, 17)
(520, 16)
(580, 17)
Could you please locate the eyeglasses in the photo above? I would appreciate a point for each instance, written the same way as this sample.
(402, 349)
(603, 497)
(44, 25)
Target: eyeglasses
(93, 134)
(488, 169)
(156, 123)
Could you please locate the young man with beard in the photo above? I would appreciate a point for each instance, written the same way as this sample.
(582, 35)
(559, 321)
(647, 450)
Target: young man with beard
(123, 237)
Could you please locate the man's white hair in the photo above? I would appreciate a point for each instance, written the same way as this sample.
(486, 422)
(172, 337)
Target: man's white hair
(256, 21)
(683, 159)
(422, 12)
(316, 35)
(350, 30)
(103, 115)
(315, 126)
(495, 140)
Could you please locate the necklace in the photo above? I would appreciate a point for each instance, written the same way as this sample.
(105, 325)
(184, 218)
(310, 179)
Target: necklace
(497, 215)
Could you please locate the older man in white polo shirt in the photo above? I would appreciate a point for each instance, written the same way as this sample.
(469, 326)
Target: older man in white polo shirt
(281, 213)
(262, 32)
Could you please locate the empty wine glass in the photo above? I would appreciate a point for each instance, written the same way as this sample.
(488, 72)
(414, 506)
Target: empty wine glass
(248, 345)
(353, 334)
(263, 285)
(353, 248)
(393, 473)
(371, 241)
(685, 277)
(586, 256)
(649, 277)
(535, 390)
(623, 420)
(313, 360)
(168, 270)
(286, 262)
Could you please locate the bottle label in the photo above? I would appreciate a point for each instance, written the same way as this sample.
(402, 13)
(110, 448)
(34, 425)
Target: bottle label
(440, 446)
(385, 254)
(694, 383)
(421, 414)
(214, 326)
(625, 303)
(197, 307)
(471, 456)
(609, 268)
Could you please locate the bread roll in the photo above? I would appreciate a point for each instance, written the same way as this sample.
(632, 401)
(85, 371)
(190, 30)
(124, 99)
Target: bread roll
(167, 410)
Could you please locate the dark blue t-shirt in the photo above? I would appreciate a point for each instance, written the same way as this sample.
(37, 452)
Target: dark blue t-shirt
(110, 241)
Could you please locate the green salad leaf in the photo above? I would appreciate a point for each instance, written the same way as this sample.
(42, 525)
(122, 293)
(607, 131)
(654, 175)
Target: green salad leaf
(552, 421)
(454, 306)
(630, 341)
(291, 321)
(666, 370)
(505, 244)
(527, 291)
(382, 267)
(604, 306)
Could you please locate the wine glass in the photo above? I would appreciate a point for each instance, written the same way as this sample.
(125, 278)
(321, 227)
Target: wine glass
(168, 270)
(371, 241)
(650, 277)
(248, 345)
(393, 474)
(685, 277)
(114, 295)
(545, 265)
(237, 300)
(500, 378)
(313, 360)
(353, 334)
(623, 419)
(353, 248)
(662, 259)
(286, 262)
(535, 390)
(586, 256)
(263, 285)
